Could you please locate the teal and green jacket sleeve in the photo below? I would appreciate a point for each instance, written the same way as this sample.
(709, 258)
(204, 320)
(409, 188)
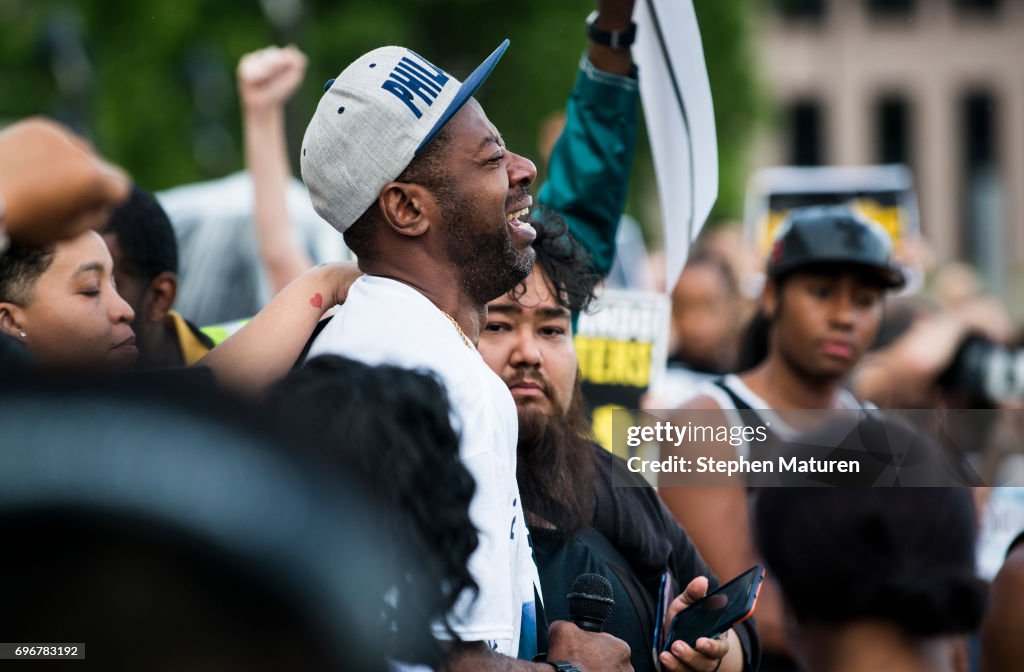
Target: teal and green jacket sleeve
(588, 174)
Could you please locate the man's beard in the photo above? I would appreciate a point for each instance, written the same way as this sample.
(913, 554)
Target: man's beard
(555, 468)
(487, 263)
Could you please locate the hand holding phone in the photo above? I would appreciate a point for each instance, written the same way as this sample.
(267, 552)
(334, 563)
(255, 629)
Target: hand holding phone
(718, 611)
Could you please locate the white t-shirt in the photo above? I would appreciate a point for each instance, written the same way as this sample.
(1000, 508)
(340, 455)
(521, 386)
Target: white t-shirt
(384, 321)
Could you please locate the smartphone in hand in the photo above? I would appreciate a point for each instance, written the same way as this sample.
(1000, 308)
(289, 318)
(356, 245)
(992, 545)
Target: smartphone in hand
(718, 611)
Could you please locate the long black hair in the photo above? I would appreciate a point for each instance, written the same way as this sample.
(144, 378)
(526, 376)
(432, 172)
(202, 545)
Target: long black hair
(390, 428)
(565, 262)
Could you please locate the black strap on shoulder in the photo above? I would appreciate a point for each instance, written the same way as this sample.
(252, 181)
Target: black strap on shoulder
(200, 336)
(643, 604)
(736, 400)
(309, 344)
(747, 414)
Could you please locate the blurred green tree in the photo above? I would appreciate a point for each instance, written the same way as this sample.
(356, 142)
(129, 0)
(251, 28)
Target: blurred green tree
(152, 83)
(727, 33)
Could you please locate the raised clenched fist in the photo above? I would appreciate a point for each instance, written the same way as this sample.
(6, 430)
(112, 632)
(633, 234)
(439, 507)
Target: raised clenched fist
(268, 77)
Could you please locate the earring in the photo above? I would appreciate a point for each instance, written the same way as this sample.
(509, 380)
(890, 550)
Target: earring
(22, 334)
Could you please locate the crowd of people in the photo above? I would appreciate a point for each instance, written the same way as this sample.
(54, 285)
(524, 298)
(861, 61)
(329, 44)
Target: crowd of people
(391, 464)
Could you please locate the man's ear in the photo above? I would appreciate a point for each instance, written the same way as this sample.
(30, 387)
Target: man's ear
(11, 322)
(408, 209)
(160, 296)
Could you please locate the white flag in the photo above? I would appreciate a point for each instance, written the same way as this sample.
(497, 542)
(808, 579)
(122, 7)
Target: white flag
(680, 118)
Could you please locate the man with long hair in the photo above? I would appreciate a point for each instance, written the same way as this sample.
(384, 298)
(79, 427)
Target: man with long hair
(580, 519)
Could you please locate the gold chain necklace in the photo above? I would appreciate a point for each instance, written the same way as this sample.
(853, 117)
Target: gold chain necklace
(461, 332)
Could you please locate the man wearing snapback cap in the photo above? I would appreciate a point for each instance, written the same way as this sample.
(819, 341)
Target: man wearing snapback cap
(403, 161)
(827, 275)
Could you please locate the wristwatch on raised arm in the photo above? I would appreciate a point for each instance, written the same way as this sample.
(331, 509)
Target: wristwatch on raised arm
(563, 665)
(615, 39)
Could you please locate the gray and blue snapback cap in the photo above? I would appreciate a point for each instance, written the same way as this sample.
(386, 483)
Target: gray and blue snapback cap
(372, 120)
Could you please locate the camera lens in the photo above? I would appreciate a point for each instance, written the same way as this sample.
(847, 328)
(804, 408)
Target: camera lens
(985, 373)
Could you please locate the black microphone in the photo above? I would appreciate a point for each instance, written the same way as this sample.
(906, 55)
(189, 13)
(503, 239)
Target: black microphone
(590, 601)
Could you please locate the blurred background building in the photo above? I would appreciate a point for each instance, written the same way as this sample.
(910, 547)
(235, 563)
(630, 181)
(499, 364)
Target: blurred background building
(935, 84)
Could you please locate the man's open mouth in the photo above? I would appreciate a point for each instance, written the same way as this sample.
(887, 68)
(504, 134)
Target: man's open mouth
(513, 217)
(521, 227)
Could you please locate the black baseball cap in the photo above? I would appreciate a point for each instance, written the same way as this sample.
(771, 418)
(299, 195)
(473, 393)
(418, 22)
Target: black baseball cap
(833, 234)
